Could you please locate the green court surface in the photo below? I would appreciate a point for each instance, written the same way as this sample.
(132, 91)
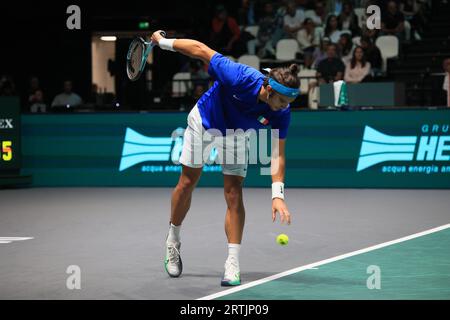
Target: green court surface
(414, 269)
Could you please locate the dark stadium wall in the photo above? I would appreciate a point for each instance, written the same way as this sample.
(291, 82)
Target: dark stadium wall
(37, 43)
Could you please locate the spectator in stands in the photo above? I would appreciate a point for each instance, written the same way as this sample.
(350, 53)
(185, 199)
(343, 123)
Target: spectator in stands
(393, 21)
(67, 97)
(348, 19)
(95, 97)
(226, 33)
(252, 11)
(34, 86)
(446, 84)
(198, 73)
(331, 68)
(411, 11)
(308, 62)
(246, 13)
(372, 54)
(305, 4)
(332, 29)
(269, 32)
(345, 47)
(335, 6)
(38, 104)
(307, 38)
(318, 15)
(365, 3)
(281, 9)
(7, 86)
(320, 52)
(358, 68)
(370, 33)
(293, 20)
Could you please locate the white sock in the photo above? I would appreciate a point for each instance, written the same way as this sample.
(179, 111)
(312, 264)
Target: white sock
(174, 233)
(233, 251)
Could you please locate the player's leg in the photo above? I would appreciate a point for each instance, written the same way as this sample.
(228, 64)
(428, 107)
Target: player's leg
(234, 174)
(235, 149)
(234, 227)
(181, 202)
(191, 167)
(235, 216)
(182, 193)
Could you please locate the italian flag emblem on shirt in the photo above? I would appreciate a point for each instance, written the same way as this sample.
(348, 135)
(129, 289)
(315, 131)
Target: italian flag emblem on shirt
(263, 120)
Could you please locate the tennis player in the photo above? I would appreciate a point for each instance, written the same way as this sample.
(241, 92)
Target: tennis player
(240, 98)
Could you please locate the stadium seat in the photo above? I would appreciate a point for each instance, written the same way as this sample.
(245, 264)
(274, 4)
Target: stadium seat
(407, 30)
(388, 46)
(253, 30)
(250, 60)
(304, 83)
(180, 88)
(346, 32)
(286, 49)
(309, 13)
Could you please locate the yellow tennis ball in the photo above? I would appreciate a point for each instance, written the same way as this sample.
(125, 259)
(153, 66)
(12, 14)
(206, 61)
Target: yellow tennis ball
(282, 239)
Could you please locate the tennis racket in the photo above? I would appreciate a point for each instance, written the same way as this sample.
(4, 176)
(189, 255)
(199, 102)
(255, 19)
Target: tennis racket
(137, 56)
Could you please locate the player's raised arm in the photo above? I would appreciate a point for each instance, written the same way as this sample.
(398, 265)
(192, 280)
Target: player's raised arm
(192, 48)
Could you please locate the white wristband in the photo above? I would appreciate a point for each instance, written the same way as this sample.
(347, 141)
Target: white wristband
(166, 44)
(278, 190)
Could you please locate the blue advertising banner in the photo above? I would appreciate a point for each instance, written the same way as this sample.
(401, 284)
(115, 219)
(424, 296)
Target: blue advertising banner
(354, 149)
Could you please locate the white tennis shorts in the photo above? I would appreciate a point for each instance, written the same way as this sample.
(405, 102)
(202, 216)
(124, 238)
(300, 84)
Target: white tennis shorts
(198, 144)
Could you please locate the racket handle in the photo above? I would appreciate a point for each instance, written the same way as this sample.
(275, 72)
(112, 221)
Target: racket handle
(163, 33)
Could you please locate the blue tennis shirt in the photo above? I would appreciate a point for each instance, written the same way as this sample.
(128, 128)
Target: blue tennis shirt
(232, 102)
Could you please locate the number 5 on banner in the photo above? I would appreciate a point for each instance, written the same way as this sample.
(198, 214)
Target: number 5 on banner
(6, 151)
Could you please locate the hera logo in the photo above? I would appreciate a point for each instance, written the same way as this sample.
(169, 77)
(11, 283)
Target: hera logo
(138, 148)
(378, 147)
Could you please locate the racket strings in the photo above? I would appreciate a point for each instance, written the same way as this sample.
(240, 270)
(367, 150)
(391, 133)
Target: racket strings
(135, 61)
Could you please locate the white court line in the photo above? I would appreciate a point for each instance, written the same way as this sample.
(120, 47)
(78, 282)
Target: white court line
(319, 263)
(11, 239)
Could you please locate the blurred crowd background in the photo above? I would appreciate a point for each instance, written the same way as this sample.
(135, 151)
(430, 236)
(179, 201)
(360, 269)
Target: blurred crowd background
(52, 69)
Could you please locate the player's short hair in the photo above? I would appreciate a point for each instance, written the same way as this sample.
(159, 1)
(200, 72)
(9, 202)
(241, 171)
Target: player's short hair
(287, 76)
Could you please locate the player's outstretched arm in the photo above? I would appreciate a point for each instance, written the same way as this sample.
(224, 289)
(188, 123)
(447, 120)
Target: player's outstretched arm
(192, 48)
(278, 166)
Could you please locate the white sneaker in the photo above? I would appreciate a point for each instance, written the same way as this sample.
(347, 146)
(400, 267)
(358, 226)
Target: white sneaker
(232, 274)
(172, 262)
